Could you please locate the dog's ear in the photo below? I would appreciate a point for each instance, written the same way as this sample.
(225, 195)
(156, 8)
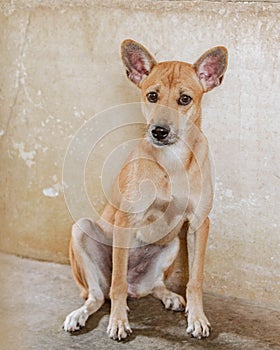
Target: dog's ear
(137, 60)
(211, 66)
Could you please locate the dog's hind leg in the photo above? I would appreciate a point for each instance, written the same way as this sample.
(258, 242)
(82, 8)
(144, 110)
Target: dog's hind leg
(91, 256)
(170, 300)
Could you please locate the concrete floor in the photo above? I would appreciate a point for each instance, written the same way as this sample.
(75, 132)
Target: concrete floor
(36, 296)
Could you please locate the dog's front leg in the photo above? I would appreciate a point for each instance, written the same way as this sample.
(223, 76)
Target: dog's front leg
(198, 325)
(119, 328)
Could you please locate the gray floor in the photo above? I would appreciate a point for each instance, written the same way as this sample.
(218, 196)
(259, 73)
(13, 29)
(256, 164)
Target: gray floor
(36, 296)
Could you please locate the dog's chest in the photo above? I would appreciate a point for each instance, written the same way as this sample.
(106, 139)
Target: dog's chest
(165, 210)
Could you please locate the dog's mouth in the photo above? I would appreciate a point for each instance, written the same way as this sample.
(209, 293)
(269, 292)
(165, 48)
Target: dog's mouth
(161, 135)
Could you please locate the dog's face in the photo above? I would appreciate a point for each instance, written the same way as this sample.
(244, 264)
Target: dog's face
(172, 91)
(172, 95)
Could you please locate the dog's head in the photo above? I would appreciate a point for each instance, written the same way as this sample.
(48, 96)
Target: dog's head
(172, 91)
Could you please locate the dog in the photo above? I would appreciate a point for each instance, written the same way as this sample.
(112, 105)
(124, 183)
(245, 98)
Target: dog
(165, 183)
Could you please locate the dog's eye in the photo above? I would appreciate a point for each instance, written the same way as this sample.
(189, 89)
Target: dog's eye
(152, 97)
(184, 100)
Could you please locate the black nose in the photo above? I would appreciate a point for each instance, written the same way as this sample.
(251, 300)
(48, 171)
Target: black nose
(160, 133)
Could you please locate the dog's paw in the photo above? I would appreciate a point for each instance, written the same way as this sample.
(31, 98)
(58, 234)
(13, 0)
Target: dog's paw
(118, 329)
(76, 320)
(198, 325)
(174, 302)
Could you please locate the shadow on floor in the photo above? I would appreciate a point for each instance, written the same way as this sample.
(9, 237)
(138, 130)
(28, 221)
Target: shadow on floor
(36, 297)
(235, 322)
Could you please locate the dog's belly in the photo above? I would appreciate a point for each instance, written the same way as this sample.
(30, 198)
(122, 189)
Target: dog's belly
(140, 261)
(147, 264)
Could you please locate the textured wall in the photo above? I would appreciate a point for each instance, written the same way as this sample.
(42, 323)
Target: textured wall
(60, 65)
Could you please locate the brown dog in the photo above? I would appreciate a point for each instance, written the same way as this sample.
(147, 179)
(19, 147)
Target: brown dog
(165, 182)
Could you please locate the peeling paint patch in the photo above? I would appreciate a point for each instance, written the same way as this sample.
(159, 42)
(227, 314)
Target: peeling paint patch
(2, 132)
(28, 157)
(78, 114)
(55, 189)
(50, 192)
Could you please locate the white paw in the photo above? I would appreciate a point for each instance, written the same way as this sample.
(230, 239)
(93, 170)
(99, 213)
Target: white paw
(198, 326)
(174, 302)
(76, 320)
(118, 329)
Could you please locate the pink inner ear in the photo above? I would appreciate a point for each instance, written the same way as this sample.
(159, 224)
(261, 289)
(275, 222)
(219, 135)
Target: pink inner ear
(210, 71)
(211, 65)
(137, 63)
(134, 75)
(137, 60)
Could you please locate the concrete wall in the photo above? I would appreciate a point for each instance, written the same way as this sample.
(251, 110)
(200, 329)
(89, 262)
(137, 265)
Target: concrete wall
(60, 65)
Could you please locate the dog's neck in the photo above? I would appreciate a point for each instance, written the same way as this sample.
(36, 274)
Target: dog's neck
(170, 157)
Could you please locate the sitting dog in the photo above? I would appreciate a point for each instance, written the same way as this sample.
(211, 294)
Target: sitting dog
(165, 183)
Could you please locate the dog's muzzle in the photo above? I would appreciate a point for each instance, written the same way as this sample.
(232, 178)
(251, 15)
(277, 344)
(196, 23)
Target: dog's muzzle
(161, 135)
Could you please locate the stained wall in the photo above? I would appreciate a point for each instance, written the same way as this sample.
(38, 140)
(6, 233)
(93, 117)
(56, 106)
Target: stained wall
(60, 66)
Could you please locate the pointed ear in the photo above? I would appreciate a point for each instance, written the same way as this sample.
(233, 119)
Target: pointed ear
(211, 66)
(137, 60)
